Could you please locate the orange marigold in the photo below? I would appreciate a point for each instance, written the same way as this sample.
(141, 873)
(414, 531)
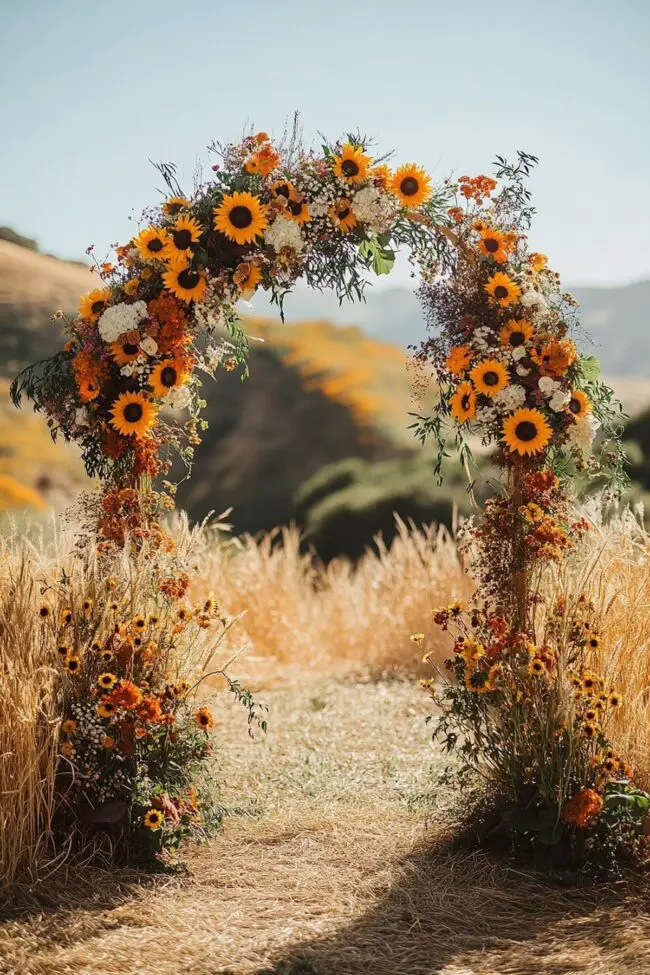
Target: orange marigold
(582, 808)
(126, 695)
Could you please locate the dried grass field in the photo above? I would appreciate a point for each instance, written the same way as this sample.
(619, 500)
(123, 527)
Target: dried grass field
(337, 852)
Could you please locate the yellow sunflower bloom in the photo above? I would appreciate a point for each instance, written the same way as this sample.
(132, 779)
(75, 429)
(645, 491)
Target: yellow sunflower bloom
(299, 211)
(72, 664)
(154, 819)
(342, 216)
(515, 333)
(495, 245)
(204, 719)
(106, 709)
(133, 415)
(579, 404)
(107, 681)
(463, 403)
(151, 243)
(173, 206)
(489, 377)
(93, 304)
(352, 164)
(126, 349)
(167, 375)
(411, 185)
(503, 289)
(241, 217)
(537, 261)
(283, 189)
(537, 667)
(185, 282)
(526, 432)
(182, 237)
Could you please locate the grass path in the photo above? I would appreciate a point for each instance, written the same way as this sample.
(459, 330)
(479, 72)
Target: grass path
(327, 867)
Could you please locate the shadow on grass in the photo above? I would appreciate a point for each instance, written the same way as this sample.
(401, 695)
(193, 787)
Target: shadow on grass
(469, 911)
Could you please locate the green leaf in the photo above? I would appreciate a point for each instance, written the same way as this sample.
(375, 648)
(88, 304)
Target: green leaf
(380, 259)
(589, 367)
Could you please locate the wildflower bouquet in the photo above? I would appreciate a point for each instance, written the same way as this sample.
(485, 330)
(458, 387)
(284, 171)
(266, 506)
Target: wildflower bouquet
(133, 652)
(126, 386)
(522, 702)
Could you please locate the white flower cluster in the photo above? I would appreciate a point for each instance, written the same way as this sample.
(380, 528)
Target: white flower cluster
(533, 299)
(373, 209)
(482, 338)
(136, 367)
(510, 398)
(580, 435)
(121, 318)
(284, 234)
(179, 398)
(558, 398)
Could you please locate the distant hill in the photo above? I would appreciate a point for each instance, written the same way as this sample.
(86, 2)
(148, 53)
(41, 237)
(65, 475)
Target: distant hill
(319, 395)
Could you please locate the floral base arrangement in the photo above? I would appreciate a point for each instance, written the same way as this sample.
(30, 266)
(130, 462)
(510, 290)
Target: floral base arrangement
(521, 703)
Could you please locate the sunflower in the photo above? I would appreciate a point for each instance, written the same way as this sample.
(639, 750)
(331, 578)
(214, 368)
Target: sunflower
(489, 377)
(352, 164)
(579, 404)
(66, 617)
(63, 650)
(204, 719)
(44, 611)
(495, 245)
(593, 642)
(590, 729)
(526, 432)
(152, 243)
(476, 681)
(463, 403)
(107, 681)
(88, 390)
(72, 664)
(126, 349)
(247, 276)
(241, 217)
(614, 700)
(106, 656)
(133, 415)
(502, 289)
(153, 819)
(173, 206)
(299, 211)
(459, 359)
(515, 333)
(182, 236)
(93, 304)
(283, 189)
(106, 709)
(411, 185)
(537, 667)
(341, 214)
(167, 375)
(185, 283)
(589, 684)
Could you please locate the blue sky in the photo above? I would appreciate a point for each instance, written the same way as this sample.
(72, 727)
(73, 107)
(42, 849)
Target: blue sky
(91, 91)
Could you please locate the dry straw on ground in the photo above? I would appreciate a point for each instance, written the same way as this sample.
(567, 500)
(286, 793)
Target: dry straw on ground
(333, 858)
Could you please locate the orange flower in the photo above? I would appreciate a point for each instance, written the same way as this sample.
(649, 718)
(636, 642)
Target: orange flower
(149, 710)
(204, 719)
(126, 695)
(555, 357)
(582, 808)
(459, 359)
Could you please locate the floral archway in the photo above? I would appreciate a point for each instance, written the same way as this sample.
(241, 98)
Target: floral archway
(522, 702)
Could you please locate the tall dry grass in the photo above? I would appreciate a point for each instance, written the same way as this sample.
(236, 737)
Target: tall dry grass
(301, 617)
(615, 565)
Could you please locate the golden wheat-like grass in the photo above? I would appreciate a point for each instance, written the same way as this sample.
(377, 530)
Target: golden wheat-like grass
(304, 617)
